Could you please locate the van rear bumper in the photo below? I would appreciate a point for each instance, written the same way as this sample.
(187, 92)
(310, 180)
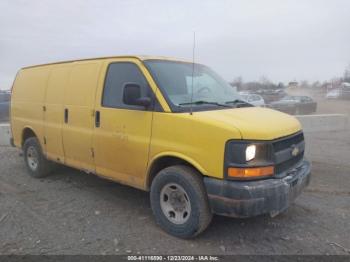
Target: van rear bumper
(251, 198)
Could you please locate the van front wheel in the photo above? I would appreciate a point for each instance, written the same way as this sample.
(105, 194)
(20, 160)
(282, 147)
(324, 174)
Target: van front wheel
(37, 164)
(179, 201)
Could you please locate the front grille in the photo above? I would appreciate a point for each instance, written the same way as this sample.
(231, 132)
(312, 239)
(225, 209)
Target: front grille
(285, 145)
(284, 166)
(286, 142)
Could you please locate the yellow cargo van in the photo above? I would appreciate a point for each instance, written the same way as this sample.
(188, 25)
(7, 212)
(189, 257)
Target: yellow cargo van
(168, 126)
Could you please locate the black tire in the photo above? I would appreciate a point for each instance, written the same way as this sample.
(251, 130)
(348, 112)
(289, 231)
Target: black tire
(43, 166)
(192, 183)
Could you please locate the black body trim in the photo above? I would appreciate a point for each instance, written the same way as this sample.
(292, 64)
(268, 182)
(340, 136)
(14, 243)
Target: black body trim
(251, 198)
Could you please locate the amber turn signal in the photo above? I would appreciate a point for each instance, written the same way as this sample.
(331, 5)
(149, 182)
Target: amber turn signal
(250, 172)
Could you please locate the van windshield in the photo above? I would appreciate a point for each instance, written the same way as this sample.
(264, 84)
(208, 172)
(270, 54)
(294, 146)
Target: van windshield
(175, 81)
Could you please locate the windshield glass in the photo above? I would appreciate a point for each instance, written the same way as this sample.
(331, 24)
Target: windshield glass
(175, 80)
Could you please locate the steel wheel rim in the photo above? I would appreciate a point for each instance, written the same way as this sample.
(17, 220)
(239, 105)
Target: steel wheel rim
(32, 158)
(175, 203)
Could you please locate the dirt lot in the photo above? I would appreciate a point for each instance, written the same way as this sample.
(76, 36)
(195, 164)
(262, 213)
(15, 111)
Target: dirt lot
(71, 212)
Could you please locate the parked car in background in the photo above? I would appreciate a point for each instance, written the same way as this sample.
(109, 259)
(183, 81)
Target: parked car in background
(254, 99)
(304, 104)
(295, 105)
(342, 92)
(5, 98)
(334, 94)
(285, 106)
(345, 92)
(271, 95)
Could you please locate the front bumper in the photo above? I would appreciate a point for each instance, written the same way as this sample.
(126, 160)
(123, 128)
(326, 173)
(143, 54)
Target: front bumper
(251, 198)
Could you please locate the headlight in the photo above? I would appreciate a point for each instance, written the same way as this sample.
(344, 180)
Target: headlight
(246, 159)
(250, 152)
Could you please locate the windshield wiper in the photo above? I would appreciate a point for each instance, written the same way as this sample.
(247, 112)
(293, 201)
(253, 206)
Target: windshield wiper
(239, 103)
(203, 102)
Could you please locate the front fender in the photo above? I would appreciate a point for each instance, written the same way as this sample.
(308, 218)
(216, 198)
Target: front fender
(180, 156)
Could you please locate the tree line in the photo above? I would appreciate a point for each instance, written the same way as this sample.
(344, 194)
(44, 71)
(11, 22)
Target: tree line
(265, 83)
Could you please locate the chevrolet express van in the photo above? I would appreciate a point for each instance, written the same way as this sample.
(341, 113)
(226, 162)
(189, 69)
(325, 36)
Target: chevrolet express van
(167, 126)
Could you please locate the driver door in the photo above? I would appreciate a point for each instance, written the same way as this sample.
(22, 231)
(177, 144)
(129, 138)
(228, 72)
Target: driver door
(122, 133)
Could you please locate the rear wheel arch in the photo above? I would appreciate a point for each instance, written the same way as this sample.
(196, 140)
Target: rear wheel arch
(27, 133)
(165, 161)
(37, 164)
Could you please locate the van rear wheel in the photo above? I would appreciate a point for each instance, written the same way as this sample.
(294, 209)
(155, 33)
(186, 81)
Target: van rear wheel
(179, 201)
(37, 164)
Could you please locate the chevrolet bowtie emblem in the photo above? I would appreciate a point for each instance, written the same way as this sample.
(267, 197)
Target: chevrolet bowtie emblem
(295, 150)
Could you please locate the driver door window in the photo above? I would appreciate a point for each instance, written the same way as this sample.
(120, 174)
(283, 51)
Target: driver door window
(118, 75)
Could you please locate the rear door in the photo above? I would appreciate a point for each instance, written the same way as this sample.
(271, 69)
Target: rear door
(78, 114)
(122, 132)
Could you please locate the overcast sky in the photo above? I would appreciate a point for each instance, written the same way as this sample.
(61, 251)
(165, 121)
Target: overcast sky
(282, 40)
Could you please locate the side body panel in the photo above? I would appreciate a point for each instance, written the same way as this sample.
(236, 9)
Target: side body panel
(27, 103)
(79, 97)
(54, 111)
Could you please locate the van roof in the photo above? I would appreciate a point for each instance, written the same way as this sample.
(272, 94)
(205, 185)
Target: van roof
(140, 57)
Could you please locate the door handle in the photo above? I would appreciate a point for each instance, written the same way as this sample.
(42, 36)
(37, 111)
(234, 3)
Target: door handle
(66, 115)
(97, 119)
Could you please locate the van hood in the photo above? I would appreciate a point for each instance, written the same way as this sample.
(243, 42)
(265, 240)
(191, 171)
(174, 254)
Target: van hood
(254, 123)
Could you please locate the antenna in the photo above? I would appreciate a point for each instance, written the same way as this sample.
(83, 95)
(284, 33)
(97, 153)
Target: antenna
(194, 46)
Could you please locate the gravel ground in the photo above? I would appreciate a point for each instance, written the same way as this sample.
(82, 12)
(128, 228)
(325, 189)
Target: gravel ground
(71, 212)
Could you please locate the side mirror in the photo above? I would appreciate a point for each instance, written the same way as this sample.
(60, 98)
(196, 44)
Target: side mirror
(132, 95)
